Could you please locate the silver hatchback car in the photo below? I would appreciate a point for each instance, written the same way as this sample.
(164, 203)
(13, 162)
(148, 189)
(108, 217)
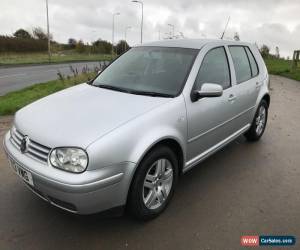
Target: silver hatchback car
(124, 138)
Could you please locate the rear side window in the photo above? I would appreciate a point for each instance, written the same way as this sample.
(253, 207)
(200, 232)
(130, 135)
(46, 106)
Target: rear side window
(214, 69)
(241, 63)
(253, 64)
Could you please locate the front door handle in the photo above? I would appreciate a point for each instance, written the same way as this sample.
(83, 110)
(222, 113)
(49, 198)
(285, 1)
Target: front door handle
(231, 97)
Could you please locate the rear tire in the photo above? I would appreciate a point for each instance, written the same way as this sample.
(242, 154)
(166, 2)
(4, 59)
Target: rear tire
(153, 185)
(259, 122)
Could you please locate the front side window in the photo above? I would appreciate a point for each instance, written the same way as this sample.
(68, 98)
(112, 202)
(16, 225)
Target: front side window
(241, 63)
(160, 71)
(214, 69)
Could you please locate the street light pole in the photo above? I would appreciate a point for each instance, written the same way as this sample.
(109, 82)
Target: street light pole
(173, 29)
(48, 32)
(113, 33)
(127, 28)
(142, 21)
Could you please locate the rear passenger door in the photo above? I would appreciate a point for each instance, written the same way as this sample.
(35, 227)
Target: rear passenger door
(247, 83)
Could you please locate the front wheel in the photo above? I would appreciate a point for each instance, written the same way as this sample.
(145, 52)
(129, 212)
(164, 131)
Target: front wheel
(153, 185)
(259, 122)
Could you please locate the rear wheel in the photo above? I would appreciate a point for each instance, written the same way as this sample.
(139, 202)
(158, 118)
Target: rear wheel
(259, 122)
(154, 182)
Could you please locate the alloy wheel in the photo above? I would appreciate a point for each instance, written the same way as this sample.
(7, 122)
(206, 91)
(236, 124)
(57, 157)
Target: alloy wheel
(158, 183)
(260, 120)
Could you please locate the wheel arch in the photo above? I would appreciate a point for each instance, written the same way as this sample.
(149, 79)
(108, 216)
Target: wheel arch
(267, 98)
(173, 144)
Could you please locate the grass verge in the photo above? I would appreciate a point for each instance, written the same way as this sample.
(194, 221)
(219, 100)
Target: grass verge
(10, 59)
(12, 102)
(283, 68)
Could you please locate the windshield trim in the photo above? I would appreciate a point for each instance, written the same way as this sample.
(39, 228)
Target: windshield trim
(170, 47)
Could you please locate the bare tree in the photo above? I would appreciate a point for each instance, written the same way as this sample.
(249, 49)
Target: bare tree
(40, 34)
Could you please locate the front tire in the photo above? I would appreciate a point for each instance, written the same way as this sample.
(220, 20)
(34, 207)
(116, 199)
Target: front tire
(259, 122)
(153, 184)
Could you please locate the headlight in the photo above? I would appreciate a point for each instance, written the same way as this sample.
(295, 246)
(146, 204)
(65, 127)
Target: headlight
(73, 160)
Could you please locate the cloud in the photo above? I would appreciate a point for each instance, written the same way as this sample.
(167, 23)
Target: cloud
(271, 22)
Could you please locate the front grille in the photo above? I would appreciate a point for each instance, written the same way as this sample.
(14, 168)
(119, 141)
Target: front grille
(35, 150)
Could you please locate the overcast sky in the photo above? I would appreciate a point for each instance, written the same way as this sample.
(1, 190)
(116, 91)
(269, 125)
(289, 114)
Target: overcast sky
(273, 22)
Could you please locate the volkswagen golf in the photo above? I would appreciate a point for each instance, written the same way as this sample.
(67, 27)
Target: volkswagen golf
(124, 138)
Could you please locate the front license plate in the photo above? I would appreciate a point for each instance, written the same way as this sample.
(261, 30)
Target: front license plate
(24, 174)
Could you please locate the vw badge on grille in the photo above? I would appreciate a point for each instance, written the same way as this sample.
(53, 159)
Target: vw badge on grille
(24, 144)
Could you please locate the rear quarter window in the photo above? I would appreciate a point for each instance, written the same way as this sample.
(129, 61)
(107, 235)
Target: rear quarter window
(253, 63)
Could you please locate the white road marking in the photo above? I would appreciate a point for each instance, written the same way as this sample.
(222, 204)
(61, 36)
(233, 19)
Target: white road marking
(5, 76)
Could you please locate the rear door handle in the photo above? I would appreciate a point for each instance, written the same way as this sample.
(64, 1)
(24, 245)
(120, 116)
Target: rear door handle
(231, 97)
(257, 85)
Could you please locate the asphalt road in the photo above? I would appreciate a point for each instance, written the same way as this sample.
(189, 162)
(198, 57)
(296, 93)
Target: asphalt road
(244, 189)
(19, 77)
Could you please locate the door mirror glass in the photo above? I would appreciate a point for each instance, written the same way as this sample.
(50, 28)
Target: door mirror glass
(208, 90)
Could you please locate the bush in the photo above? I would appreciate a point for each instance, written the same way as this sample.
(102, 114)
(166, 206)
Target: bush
(15, 44)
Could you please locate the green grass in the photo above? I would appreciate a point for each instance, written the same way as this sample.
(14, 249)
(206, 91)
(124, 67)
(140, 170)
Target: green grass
(12, 102)
(283, 68)
(41, 58)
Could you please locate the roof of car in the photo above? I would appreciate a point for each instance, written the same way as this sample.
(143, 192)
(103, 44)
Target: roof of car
(192, 43)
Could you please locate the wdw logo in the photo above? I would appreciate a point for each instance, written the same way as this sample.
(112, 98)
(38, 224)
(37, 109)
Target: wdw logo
(250, 241)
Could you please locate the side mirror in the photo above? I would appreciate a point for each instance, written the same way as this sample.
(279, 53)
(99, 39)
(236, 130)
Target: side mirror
(207, 90)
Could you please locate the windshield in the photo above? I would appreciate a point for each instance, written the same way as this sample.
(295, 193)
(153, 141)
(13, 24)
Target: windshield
(157, 71)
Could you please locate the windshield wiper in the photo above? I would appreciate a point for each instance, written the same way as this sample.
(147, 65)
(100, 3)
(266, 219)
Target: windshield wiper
(151, 93)
(104, 86)
(135, 92)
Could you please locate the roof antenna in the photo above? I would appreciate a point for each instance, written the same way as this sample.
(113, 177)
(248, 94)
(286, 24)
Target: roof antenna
(225, 28)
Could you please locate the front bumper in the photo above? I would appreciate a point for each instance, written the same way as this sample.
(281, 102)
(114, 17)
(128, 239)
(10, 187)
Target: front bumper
(85, 193)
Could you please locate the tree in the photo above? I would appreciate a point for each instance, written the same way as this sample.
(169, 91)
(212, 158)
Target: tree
(38, 33)
(121, 47)
(80, 48)
(277, 54)
(72, 43)
(21, 33)
(236, 36)
(101, 46)
(264, 50)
